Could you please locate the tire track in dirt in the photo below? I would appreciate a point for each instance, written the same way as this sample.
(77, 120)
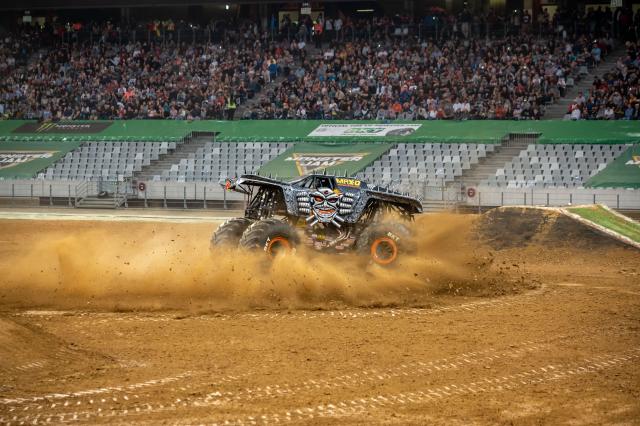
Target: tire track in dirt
(105, 318)
(501, 302)
(364, 377)
(53, 358)
(217, 398)
(41, 407)
(484, 385)
(249, 394)
(362, 405)
(28, 366)
(96, 391)
(369, 376)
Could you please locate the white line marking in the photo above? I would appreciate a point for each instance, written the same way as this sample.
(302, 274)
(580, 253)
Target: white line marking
(109, 217)
(53, 396)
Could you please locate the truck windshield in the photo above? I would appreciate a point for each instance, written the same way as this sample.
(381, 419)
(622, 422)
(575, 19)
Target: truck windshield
(324, 182)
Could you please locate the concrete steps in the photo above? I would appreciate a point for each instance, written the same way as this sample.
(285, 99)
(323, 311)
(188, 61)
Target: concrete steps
(435, 206)
(310, 51)
(182, 151)
(250, 103)
(93, 202)
(495, 160)
(561, 107)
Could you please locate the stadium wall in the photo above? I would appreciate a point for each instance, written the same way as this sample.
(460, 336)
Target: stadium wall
(203, 195)
(485, 131)
(56, 139)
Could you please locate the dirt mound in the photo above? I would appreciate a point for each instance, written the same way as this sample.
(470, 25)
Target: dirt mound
(28, 347)
(513, 227)
(125, 266)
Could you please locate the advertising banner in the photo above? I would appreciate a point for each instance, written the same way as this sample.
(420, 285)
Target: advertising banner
(623, 172)
(14, 158)
(364, 130)
(71, 127)
(23, 160)
(308, 158)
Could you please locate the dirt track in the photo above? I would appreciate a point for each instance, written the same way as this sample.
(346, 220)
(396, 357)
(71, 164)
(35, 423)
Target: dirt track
(543, 331)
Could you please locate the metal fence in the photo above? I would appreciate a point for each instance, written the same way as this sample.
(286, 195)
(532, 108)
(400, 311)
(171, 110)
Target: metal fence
(213, 195)
(156, 194)
(15, 190)
(553, 197)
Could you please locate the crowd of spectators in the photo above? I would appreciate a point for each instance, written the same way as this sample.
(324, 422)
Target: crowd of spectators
(108, 80)
(360, 68)
(456, 78)
(613, 95)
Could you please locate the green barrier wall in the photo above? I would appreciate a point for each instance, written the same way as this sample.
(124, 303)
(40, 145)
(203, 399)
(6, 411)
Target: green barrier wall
(25, 159)
(340, 159)
(623, 172)
(59, 138)
(552, 131)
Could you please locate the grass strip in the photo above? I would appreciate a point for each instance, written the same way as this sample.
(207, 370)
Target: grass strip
(602, 217)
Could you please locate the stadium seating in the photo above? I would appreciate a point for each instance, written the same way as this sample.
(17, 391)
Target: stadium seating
(106, 160)
(406, 166)
(555, 165)
(218, 160)
(428, 164)
(120, 160)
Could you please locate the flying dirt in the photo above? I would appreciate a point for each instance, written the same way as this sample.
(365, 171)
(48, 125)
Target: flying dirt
(122, 266)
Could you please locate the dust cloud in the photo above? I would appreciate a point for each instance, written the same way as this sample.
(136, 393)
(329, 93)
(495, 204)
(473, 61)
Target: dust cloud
(121, 266)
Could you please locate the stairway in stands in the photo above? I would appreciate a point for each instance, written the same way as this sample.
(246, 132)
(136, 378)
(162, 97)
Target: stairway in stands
(311, 51)
(112, 201)
(164, 162)
(560, 108)
(495, 160)
(250, 103)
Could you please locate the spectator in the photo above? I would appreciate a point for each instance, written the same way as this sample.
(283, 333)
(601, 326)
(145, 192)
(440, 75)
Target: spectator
(328, 29)
(596, 54)
(318, 27)
(609, 113)
(575, 112)
(337, 26)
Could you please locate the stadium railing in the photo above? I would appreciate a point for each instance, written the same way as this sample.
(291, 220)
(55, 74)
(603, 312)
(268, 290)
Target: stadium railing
(213, 195)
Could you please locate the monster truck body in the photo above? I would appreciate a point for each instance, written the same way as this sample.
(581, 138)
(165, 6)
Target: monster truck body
(330, 213)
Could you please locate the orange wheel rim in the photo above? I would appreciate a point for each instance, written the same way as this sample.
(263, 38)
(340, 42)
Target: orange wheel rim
(278, 245)
(384, 250)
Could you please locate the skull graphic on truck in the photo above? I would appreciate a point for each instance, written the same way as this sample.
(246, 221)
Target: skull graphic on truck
(325, 205)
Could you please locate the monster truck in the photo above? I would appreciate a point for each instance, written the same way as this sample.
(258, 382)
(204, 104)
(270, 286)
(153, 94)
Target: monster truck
(329, 213)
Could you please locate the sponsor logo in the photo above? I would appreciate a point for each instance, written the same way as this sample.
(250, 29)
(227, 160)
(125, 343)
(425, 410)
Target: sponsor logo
(635, 161)
(348, 182)
(307, 163)
(365, 130)
(393, 236)
(62, 127)
(13, 158)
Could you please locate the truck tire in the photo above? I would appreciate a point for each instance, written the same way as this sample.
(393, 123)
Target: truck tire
(384, 242)
(271, 235)
(230, 232)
